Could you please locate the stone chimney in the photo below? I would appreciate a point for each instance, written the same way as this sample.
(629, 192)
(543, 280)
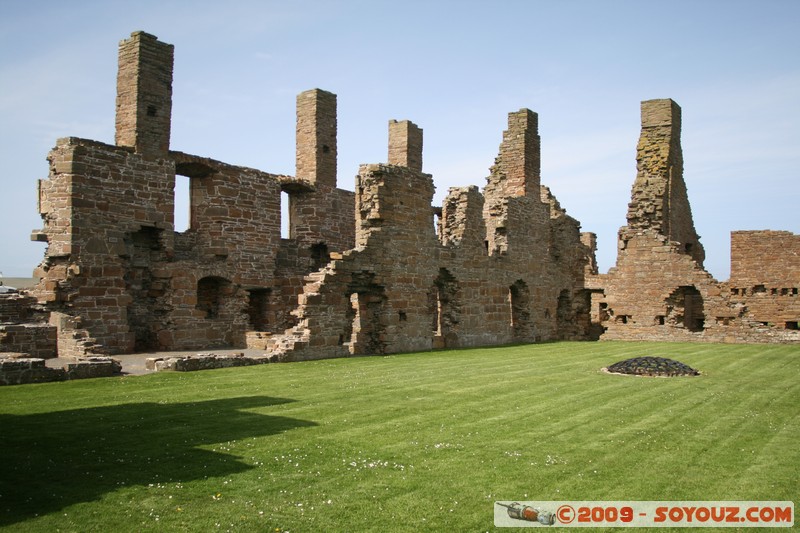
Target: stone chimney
(144, 94)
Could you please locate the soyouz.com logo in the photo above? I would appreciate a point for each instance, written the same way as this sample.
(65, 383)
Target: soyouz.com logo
(644, 514)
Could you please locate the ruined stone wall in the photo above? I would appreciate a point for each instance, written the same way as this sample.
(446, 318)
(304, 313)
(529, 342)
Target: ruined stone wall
(323, 216)
(369, 271)
(37, 340)
(131, 280)
(21, 330)
(765, 276)
(15, 308)
(320, 215)
(116, 276)
(573, 259)
(659, 290)
(235, 217)
(659, 201)
(21, 368)
(223, 274)
(516, 173)
(363, 303)
(405, 288)
(108, 212)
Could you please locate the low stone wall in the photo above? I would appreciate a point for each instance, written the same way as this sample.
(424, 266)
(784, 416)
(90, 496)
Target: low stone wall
(20, 368)
(15, 307)
(202, 361)
(38, 340)
(93, 367)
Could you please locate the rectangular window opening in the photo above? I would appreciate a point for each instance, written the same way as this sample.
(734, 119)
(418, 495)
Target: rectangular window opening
(285, 229)
(183, 203)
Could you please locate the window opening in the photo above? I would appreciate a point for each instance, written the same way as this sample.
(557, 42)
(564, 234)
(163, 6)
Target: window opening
(285, 233)
(685, 309)
(519, 299)
(565, 313)
(182, 203)
(320, 255)
(364, 321)
(445, 301)
(211, 294)
(258, 309)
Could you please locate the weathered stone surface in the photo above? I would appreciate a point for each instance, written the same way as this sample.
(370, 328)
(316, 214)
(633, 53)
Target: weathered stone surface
(765, 269)
(144, 94)
(659, 290)
(21, 330)
(22, 370)
(15, 308)
(377, 270)
(16, 370)
(405, 144)
(38, 340)
(202, 361)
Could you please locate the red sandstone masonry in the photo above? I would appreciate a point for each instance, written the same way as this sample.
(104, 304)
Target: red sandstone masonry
(405, 144)
(316, 137)
(765, 269)
(403, 289)
(144, 94)
(659, 200)
(659, 289)
(364, 272)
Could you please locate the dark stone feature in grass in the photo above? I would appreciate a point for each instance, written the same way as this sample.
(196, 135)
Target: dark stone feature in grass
(652, 366)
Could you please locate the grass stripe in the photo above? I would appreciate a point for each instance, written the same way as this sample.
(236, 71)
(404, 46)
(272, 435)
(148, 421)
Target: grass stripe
(412, 442)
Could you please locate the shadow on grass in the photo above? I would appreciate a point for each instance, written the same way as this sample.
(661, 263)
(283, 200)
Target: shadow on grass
(52, 460)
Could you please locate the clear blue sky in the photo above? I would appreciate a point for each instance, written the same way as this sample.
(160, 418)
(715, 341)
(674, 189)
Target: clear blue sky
(455, 68)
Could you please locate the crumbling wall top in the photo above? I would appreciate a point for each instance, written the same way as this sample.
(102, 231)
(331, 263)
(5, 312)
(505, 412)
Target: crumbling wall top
(517, 169)
(660, 112)
(659, 200)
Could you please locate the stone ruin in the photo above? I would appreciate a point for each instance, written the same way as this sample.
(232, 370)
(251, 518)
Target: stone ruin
(375, 271)
(659, 290)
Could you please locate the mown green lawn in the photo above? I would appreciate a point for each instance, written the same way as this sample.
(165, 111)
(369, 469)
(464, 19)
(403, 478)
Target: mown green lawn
(415, 442)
